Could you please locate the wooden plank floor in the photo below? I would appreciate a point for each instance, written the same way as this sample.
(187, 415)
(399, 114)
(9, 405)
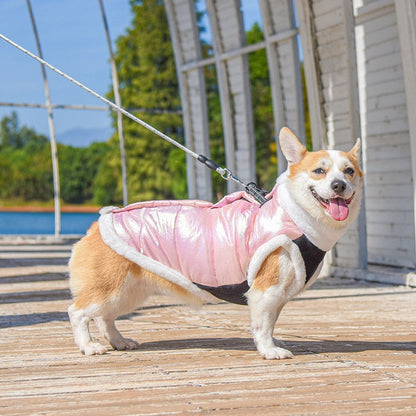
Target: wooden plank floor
(354, 346)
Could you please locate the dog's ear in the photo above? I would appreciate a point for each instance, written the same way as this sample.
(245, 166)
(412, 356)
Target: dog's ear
(292, 148)
(355, 152)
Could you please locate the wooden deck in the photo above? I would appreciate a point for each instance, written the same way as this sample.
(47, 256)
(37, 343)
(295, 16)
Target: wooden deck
(354, 345)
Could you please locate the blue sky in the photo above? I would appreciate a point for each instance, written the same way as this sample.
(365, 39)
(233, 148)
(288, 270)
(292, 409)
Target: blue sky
(73, 40)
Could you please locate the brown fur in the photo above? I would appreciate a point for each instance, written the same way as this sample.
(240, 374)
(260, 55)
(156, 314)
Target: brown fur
(268, 274)
(98, 276)
(311, 161)
(354, 158)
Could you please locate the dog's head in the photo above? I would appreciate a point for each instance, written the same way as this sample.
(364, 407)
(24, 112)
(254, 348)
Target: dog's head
(327, 184)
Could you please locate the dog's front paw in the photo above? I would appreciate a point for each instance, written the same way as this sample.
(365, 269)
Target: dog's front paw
(94, 348)
(276, 353)
(125, 344)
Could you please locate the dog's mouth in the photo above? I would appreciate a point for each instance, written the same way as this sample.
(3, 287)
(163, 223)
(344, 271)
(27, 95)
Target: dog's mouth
(336, 207)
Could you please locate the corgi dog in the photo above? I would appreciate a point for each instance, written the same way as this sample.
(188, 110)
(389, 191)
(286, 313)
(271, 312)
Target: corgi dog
(235, 250)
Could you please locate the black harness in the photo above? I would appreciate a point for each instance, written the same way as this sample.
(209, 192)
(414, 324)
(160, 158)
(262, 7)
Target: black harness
(312, 256)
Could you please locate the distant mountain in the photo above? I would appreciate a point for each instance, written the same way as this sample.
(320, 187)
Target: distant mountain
(79, 137)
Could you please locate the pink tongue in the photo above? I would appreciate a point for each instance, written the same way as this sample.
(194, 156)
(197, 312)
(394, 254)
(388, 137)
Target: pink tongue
(338, 209)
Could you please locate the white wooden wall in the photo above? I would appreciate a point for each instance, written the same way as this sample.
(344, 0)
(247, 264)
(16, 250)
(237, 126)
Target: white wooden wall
(385, 128)
(406, 18)
(356, 86)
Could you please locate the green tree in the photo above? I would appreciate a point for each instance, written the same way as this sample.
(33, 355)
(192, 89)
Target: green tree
(78, 169)
(148, 84)
(25, 167)
(16, 137)
(264, 130)
(216, 132)
(9, 131)
(25, 174)
(308, 132)
(107, 187)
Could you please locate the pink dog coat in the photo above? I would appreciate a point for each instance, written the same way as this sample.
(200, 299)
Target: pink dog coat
(217, 247)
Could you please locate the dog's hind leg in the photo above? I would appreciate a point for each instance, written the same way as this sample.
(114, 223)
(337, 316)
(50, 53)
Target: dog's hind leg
(108, 330)
(104, 288)
(132, 294)
(80, 320)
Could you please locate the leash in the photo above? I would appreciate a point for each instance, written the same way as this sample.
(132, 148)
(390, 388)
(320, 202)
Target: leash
(251, 188)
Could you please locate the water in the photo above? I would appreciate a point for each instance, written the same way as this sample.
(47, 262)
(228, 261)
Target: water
(44, 222)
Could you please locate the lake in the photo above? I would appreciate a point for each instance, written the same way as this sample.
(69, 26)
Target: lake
(44, 222)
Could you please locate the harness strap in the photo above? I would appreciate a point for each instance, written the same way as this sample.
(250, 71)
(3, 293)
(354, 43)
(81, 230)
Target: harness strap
(312, 255)
(230, 293)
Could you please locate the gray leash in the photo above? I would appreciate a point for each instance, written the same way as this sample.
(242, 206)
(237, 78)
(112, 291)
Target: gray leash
(251, 188)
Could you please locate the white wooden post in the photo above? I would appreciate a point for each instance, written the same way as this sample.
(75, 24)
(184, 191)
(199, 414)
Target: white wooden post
(187, 49)
(284, 69)
(327, 33)
(311, 66)
(117, 99)
(234, 89)
(54, 148)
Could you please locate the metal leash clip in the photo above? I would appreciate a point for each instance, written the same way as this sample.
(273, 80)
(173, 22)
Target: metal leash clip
(251, 188)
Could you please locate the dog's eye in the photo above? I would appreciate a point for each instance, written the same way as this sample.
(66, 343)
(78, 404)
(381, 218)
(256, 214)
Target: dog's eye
(349, 171)
(319, 171)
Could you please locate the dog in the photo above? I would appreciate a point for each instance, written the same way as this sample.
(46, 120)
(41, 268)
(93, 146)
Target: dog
(236, 250)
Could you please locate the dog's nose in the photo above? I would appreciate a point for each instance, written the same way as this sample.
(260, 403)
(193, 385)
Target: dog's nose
(338, 186)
